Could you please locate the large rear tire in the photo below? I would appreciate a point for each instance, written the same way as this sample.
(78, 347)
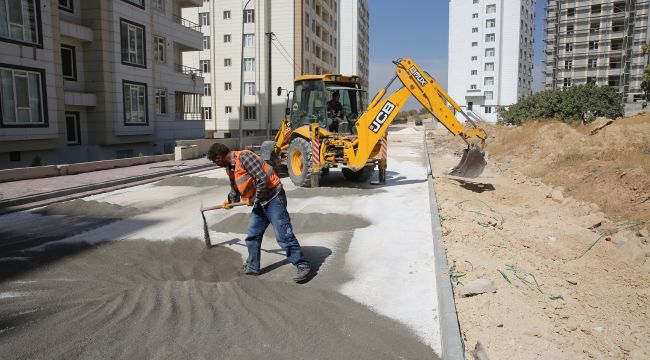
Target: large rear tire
(362, 175)
(299, 162)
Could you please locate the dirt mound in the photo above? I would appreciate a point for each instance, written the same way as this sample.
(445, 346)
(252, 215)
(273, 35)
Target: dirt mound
(303, 223)
(610, 168)
(142, 299)
(193, 181)
(89, 208)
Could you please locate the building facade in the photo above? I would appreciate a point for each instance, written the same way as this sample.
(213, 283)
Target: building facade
(596, 41)
(94, 80)
(303, 41)
(354, 40)
(490, 54)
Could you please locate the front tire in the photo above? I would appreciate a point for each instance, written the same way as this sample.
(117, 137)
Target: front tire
(299, 162)
(362, 175)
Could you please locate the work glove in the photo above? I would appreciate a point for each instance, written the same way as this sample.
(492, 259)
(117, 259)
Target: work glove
(226, 205)
(249, 202)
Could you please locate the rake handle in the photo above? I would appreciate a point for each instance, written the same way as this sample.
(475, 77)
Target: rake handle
(216, 207)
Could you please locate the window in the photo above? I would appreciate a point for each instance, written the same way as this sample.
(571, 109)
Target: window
(488, 109)
(568, 47)
(66, 5)
(228, 109)
(569, 29)
(226, 15)
(490, 23)
(204, 19)
(135, 103)
(249, 64)
(207, 89)
(489, 95)
(474, 43)
(21, 94)
(593, 45)
(249, 16)
(132, 41)
(227, 86)
(206, 43)
(490, 37)
(249, 41)
(488, 80)
(475, 30)
(69, 62)
(489, 66)
(568, 64)
(567, 82)
(159, 50)
(595, 9)
(249, 113)
(138, 3)
(205, 65)
(472, 87)
(475, 1)
(474, 72)
(227, 62)
(474, 58)
(161, 101)
(592, 63)
(490, 9)
(72, 128)
(159, 4)
(207, 113)
(475, 16)
(227, 38)
(594, 27)
(249, 88)
(489, 52)
(570, 12)
(20, 21)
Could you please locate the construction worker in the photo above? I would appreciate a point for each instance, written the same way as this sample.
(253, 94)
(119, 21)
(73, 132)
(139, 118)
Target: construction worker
(334, 109)
(255, 182)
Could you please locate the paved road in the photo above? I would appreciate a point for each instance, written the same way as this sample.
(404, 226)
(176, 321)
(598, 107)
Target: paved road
(370, 243)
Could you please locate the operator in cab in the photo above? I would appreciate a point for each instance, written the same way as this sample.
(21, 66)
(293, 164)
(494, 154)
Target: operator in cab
(334, 111)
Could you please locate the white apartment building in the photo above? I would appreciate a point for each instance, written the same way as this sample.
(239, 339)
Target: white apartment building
(597, 41)
(354, 40)
(490, 53)
(304, 41)
(93, 80)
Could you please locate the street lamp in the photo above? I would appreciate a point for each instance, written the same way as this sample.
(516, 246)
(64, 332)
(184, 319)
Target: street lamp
(241, 78)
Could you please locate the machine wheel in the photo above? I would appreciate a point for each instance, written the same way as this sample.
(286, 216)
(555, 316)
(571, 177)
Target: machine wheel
(362, 175)
(299, 162)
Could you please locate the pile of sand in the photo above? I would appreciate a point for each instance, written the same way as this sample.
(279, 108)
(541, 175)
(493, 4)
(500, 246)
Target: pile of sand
(303, 223)
(142, 299)
(194, 181)
(89, 208)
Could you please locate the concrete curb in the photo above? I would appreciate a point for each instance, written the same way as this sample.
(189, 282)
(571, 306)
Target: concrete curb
(5, 205)
(450, 337)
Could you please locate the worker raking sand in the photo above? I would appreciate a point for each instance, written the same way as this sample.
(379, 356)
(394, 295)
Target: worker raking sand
(254, 181)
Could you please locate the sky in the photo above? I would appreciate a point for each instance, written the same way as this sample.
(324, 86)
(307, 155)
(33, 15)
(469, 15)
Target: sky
(419, 29)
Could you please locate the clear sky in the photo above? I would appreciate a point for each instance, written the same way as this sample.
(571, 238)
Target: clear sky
(419, 29)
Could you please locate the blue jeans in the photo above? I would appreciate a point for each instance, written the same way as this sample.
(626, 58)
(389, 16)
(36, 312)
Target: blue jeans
(274, 213)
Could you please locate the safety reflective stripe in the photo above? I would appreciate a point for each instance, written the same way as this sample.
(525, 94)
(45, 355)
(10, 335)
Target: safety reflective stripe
(269, 172)
(248, 190)
(242, 179)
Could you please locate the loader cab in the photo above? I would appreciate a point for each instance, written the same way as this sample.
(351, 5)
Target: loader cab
(311, 97)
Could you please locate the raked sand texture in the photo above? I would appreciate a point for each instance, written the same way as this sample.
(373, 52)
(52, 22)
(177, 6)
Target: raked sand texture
(126, 275)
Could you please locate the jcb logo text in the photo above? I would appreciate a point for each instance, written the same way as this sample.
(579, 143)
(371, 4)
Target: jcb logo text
(381, 118)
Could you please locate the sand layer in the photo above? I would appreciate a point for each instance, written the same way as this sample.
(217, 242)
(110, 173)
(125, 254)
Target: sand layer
(303, 223)
(194, 181)
(89, 208)
(141, 299)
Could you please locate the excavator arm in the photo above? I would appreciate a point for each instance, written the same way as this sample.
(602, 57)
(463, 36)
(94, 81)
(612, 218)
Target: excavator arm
(374, 123)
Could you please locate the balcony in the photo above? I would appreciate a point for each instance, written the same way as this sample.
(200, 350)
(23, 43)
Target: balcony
(186, 23)
(188, 3)
(186, 34)
(191, 72)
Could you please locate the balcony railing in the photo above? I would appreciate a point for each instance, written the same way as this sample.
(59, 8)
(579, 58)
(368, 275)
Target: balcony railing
(180, 68)
(187, 23)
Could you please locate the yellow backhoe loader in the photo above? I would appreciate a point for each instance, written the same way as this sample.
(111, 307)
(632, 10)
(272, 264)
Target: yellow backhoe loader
(317, 134)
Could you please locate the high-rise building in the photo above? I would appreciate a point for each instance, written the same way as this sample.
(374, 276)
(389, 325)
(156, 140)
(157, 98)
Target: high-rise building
(490, 54)
(304, 41)
(354, 40)
(596, 41)
(94, 80)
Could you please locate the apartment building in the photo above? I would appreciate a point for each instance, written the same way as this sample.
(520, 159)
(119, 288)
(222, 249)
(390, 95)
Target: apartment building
(490, 54)
(303, 41)
(354, 40)
(596, 41)
(93, 80)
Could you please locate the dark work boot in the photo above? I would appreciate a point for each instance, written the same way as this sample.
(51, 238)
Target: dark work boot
(302, 274)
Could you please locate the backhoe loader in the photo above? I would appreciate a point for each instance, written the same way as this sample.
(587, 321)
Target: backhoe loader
(316, 136)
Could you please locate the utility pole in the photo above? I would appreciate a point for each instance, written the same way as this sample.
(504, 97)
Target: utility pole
(269, 89)
(241, 78)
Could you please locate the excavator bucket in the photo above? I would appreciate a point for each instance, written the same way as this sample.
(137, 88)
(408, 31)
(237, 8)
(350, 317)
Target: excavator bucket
(472, 163)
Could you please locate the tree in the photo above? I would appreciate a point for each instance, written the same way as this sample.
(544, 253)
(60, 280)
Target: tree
(645, 81)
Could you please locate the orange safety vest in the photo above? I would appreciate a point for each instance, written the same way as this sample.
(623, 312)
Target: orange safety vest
(244, 182)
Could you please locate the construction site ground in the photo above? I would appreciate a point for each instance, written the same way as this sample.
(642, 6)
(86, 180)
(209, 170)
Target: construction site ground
(559, 222)
(126, 274)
